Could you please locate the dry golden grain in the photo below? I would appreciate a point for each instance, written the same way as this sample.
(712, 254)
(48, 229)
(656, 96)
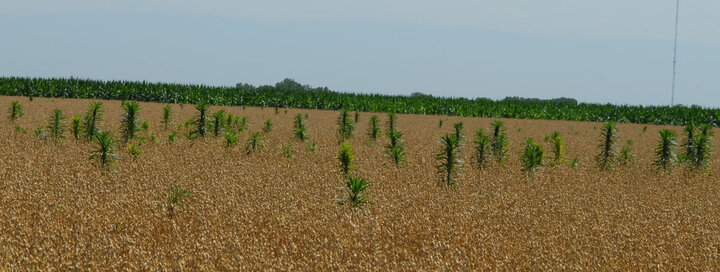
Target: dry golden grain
(58, 211)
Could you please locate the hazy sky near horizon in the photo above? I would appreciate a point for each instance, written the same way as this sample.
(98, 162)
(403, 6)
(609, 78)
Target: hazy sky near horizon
(612, 51)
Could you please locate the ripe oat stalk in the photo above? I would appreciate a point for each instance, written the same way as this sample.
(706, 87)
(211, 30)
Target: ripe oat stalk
(449, 159)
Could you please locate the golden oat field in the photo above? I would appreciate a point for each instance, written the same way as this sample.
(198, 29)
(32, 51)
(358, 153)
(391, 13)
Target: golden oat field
(59, 211)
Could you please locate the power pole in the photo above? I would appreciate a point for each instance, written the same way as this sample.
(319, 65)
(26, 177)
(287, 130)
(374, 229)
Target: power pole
(677, 19)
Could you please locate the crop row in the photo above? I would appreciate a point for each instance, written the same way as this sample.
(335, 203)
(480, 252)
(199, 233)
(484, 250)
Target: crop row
(268, 96)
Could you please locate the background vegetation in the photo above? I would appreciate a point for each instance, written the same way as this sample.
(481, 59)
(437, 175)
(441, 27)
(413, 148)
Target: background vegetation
(290, 94)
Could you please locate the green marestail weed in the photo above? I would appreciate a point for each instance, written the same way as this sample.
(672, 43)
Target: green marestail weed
(665, 152)
(201, 119)
(355, 193)
(93, 119)
(254, 143)
(56, 127)
(499, 142)
(346, 127)
(130, 123)
(15, 111)
(482, 146)
(268, 127)
(346, 156)
(218, 122)
(105, 151)
(449, 159)
(166, 116)
(557, 146)
(608, 138)
(532, 156)
(374, 128)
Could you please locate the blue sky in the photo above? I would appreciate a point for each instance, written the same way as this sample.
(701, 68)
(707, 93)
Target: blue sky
(596, 51)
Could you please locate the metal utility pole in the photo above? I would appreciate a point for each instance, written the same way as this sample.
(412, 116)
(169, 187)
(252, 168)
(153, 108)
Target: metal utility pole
(677, 19)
